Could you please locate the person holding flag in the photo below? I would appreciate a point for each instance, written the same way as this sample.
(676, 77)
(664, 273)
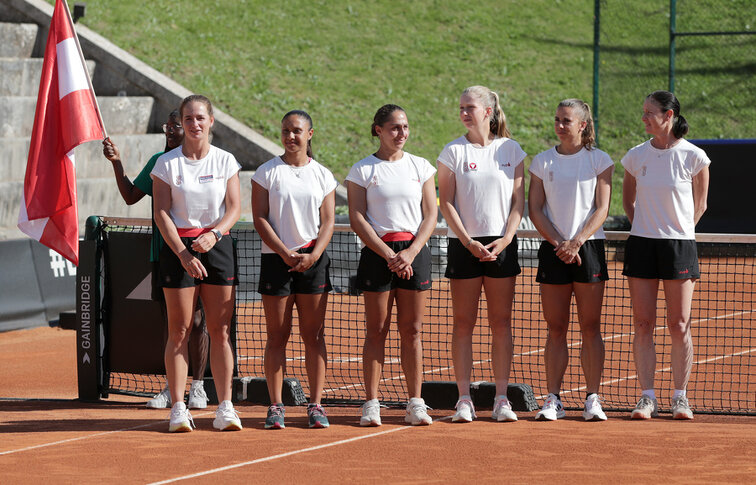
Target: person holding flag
(67, 115)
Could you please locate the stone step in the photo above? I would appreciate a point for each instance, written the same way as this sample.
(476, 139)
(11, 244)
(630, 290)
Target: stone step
(121, 114)
(21, 76)
(17, 40)
(98, 196)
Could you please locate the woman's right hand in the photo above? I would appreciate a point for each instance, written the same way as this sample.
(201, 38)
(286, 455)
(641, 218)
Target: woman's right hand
(192, 265)
(480, 251)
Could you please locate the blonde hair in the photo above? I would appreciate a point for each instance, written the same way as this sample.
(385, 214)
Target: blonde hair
(581, 108)
(490, 99)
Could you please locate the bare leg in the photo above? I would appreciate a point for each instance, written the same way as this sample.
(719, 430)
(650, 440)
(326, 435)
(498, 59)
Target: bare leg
(278, 315)
(410, 309)
(643, 296)
(377, 323)
(589, 298)
(219, 308)
(555, 300)
(465, 298)
(311, 311)
(679, 297)
(499, 297)
(179, 303)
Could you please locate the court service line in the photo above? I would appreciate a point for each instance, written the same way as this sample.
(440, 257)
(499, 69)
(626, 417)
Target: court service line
(95, 435)
(281, 455)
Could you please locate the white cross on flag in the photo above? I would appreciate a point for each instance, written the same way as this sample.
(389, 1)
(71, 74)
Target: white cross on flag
(66, 116)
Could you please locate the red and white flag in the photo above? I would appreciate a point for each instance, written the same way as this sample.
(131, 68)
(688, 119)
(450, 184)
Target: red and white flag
(66, 116)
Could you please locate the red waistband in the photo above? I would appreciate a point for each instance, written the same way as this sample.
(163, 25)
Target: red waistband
(195, 231)
(397, 236)
(309, 244)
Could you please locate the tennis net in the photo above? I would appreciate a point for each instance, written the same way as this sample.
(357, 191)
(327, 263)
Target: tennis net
(722, 380)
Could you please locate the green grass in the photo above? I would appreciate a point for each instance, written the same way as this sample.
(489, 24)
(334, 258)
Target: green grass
(341, 60)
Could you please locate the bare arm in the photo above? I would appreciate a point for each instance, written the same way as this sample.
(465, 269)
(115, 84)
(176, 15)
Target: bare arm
(700, 193)
(628, 195)
(131, 193)
(536, 209)
(161, 198)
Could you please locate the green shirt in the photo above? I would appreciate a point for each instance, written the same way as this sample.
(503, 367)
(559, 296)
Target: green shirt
(144, 183)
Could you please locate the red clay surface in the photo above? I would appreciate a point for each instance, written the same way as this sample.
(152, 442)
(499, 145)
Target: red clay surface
(47, 435)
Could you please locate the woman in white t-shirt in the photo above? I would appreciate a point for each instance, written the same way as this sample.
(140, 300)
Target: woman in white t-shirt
(196, 202)
(568, 201)
(664, 195)
(392, 208)
(481, 195)
(293, 211)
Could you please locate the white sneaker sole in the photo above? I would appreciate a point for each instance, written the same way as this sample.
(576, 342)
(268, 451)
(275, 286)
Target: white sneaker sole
(370, 422)
(683, 415)
(461, 419)
(642, 415)
(419, 422)
(223, 425)
(184, 427)
(593, 417)
(504, 419)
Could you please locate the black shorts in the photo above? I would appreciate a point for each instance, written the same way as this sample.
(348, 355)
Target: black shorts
(219, 262)
(373, 273)
(157, 288)
(461, 264)
(665, 259)
(276, 279)
(554, 271)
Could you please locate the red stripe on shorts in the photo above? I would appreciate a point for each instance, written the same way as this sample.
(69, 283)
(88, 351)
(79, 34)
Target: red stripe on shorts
(397, 236)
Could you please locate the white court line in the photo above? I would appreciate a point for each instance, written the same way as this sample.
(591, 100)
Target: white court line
(665, 369)
(281, 455)
(69, 440)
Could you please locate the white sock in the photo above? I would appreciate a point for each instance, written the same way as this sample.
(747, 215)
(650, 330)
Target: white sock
(416, 400)
(501, 397)
(678, 393)
(372, 401)
(466, 396)
(198, 382)
(650, 393)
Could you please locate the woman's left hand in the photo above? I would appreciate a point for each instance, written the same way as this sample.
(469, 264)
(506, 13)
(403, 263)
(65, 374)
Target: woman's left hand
(495, 248)
(401, 263)
(567, 251)
(204, 242)
(304, 262)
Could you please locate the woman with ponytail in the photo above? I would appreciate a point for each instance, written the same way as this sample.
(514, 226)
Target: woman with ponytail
(482, 197)
(568, 201)
(664, 195)
(293, 205)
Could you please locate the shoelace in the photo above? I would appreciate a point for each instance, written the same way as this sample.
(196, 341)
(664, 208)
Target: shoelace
(502, 403)
(417, 408)
(316, 410)
(275, 410)
(186, 414)
(199, 392)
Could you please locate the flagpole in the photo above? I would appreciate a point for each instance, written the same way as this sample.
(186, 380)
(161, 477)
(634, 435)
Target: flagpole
(86, 70)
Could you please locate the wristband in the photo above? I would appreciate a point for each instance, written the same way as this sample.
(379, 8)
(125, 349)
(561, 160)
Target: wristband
(469, 242)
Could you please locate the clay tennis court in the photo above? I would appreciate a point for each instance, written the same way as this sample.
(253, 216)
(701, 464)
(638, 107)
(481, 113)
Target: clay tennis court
(49, 435)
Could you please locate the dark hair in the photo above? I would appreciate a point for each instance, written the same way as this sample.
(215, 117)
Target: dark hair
(588, 136)
(199, 99)
(175, 114)
(382, 115)
(489, 99)
(306, 117)
(667, 101)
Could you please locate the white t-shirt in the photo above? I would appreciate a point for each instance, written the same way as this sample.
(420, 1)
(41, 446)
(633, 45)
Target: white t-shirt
(198, 187)
(394, 191)
(484, 183)
(295, 195)
(664, 206)
(569, 182)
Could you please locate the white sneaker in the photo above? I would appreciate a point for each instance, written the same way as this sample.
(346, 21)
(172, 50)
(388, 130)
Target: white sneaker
(592, 410)
(417, 414)
(681, 408)
(371, 413)
(161, 400)
(226, 418)
(552, 409)
(465, 410)
(197, 395)
(502, 410)
(180, 421)
(646, 408)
